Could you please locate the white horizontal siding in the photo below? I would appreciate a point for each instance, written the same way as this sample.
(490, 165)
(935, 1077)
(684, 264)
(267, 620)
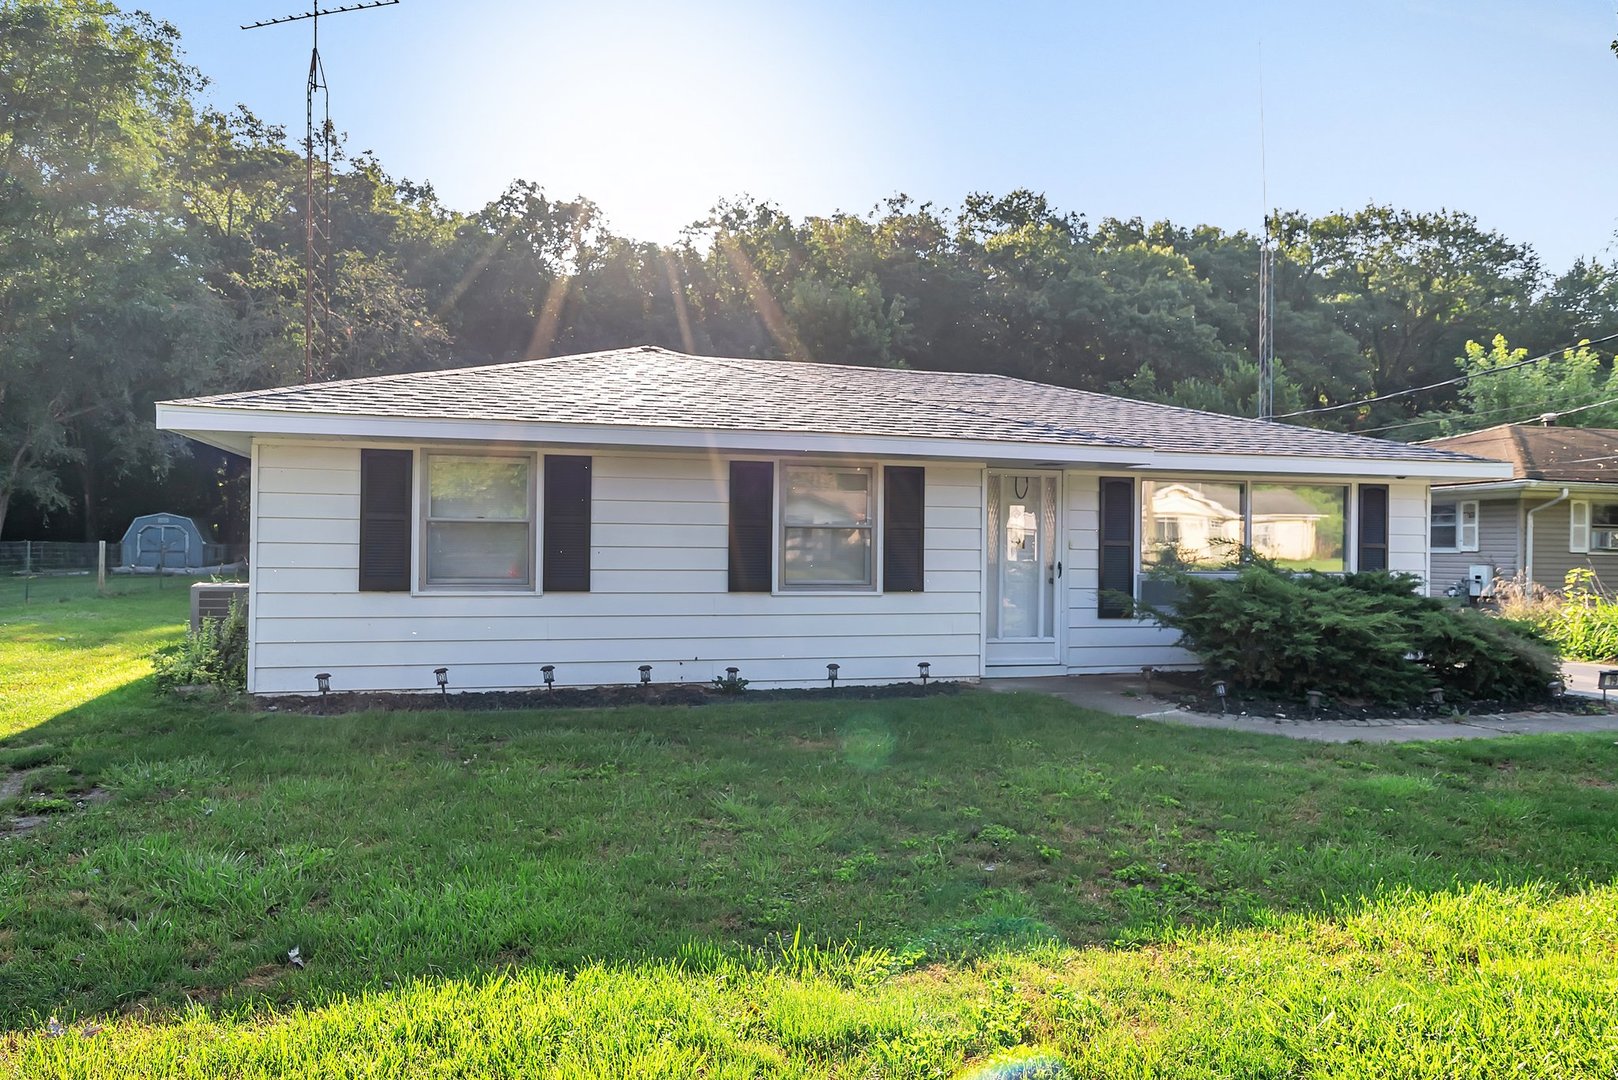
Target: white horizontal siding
(658, 593)
(1408, 529)
(1096, 645)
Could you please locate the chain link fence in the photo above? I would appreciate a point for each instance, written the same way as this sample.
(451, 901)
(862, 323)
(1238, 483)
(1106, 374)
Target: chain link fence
(48, 571)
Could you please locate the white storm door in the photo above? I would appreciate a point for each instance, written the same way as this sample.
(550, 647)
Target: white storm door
(1023, 568)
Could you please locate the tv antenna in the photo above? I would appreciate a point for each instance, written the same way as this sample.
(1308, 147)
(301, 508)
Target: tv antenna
(317, 317)
(1266, 272)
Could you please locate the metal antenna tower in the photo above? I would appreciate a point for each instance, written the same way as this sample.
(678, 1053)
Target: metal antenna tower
(317, 317)
(1266, 272)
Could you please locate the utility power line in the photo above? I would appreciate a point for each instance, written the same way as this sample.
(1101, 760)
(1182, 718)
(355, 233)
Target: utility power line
(1491, 412)
(1451, 382)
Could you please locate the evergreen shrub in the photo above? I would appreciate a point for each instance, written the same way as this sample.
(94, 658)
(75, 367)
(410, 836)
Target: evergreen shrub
(1371, 637)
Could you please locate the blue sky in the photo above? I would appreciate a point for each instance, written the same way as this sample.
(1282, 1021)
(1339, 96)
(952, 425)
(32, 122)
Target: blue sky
(656, 110)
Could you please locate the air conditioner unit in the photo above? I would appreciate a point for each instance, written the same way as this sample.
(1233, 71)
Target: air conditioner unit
(212, 599)
(1480, 579)
(1604, 539)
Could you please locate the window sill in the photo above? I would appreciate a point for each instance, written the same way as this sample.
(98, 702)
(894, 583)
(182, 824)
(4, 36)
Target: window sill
(467, 590)
(826, 592)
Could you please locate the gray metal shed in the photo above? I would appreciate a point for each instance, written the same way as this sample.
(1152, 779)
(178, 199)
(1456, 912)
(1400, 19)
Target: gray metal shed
(167, 540)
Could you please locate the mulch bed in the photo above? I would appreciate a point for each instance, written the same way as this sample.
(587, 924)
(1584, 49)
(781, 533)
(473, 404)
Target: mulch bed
(595, 697)
(1188, 691)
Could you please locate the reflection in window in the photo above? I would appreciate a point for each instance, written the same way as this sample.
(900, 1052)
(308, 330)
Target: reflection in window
(1192, 523)
(826, 517)
(479, 521)
(1301, 526)
(1203, 525)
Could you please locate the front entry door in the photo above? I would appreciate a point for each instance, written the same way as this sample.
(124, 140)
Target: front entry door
(1024, 568)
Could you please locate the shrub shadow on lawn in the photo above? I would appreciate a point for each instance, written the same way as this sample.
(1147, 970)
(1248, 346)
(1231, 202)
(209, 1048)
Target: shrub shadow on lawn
(391, 846)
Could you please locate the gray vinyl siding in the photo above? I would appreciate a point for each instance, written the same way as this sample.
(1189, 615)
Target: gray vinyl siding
(1552, 559)
(1499, 544)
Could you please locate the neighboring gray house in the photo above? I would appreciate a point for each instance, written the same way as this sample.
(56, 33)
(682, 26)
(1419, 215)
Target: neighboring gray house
(1558, 511)
(590, 514)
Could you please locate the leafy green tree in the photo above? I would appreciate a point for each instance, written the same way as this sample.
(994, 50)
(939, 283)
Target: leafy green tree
(98, 299)
(1501, 388)
(1412, 288)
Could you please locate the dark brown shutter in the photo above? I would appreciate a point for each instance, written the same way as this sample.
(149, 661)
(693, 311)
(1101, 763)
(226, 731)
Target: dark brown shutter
(566, 528)
(904, 542)
(385, 524)
(752, 529)
(1117, 555)
(1373, 527)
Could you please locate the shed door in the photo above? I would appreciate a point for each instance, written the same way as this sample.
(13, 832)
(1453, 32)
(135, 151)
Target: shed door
(1024, 568)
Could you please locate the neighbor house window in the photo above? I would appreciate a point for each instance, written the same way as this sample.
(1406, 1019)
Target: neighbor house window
(1454, 526)
(827, 514)
(1202, 525)
(479, 521)
(1592, 526)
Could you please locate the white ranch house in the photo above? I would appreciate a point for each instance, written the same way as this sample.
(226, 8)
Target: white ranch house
(640, 506)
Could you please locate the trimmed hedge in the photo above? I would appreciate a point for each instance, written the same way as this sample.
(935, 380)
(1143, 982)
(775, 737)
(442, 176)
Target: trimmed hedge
(1371, 636)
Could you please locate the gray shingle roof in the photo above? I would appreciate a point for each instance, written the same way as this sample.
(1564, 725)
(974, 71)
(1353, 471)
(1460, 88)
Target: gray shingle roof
(652, 387)
(1537, 452)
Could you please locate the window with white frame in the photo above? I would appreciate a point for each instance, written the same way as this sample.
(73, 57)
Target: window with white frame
(827, 535)
(1454, 525)
(1592, 526)
(1202, 525)
(479, 521)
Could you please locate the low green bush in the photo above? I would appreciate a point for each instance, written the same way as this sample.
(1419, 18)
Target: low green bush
(213, 655)
(1368, 636)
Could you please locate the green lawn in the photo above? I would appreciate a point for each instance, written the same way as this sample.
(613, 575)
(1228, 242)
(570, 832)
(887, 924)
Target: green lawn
(902, 888)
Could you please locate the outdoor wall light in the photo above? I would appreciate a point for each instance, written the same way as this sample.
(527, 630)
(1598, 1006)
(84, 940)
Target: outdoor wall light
(548, 673)
(646, 674)
(323, 681)
(1315, 697)
(831, 673)
(442, 674)
(926, 670)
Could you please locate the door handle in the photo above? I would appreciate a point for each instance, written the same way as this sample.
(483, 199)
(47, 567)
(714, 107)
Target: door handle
(1050, 577)
(1058, 569)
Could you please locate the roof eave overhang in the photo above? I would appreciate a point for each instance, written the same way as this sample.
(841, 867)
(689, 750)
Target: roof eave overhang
(1519, 487)
(1305, 465)
(235, 429)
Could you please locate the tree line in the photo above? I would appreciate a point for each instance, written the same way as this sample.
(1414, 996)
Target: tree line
(153, 248)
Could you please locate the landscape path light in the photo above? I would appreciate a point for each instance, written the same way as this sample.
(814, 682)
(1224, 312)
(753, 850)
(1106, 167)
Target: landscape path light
(1220, 690)
(831, 673)
(646, 674)
(442, 674)
(323, 682)
(926, 670)
(548, 673)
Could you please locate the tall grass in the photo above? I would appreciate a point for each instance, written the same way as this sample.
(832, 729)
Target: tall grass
(1582, 619)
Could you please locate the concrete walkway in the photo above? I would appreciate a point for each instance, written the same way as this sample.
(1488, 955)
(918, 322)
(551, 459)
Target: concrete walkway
(1127, 695)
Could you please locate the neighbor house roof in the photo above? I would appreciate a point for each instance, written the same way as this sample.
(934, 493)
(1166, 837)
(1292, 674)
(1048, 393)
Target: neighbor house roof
(1539, 452)
(602, 395)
